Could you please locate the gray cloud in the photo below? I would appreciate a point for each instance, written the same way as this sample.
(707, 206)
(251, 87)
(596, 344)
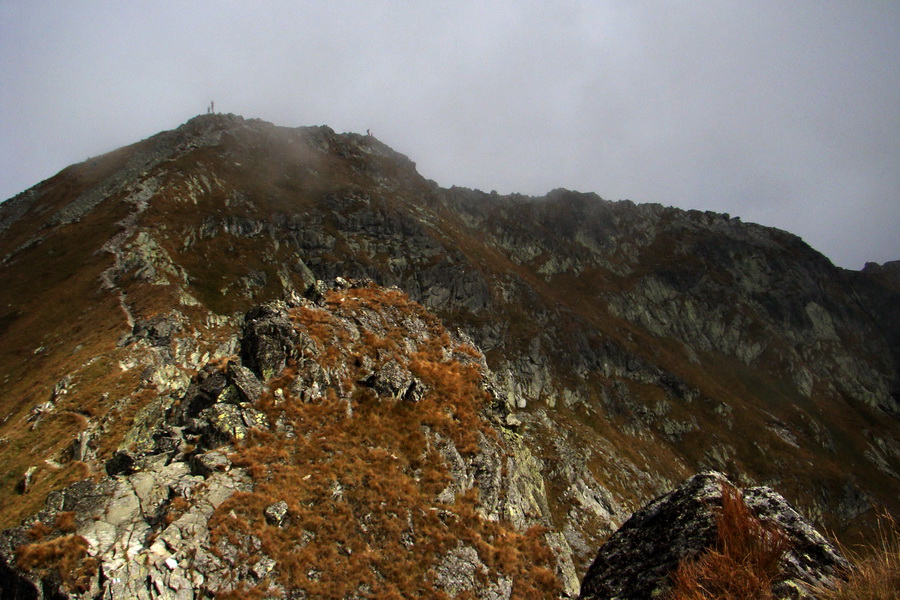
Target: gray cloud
(781, 113)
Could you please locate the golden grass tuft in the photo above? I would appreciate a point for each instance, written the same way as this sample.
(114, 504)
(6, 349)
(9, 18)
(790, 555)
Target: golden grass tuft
(65, 522)
(38, 531)
(874, 572)
(744, 563)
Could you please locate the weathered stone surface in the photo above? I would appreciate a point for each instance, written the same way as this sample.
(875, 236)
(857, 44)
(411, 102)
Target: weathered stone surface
(246, 383)
(268, 339)
(116, 518)
(276, 513)
(812, 560)
(220, 424)
(158, 330)
(638, 559)
(394, 381)
(209, 462)
(462, 571)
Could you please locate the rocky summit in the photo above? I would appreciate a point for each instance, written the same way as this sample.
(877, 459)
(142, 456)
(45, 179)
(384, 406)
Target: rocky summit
(247, 361)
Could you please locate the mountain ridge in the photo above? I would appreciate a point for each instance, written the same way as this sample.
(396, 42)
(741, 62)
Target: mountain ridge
(631, 345)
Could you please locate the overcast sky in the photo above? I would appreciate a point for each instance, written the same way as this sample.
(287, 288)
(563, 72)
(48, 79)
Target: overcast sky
(785, 113)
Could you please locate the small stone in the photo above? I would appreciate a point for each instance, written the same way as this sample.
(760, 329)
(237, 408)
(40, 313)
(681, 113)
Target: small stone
(25, 484)
(263, 567)
(513, 422)
(171, 563)
(223, 423)
(276, 513)
(395, 381)
(210, 462)
(254, 418)
(152, 462)
(81, 448)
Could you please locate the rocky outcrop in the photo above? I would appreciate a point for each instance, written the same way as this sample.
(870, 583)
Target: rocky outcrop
(639, 559)
(147, 527)
(268, 341)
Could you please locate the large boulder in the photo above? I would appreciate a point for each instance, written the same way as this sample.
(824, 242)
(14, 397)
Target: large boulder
(638, 560)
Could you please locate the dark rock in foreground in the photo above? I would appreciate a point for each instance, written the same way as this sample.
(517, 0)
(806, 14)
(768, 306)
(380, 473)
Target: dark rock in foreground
(638, 559)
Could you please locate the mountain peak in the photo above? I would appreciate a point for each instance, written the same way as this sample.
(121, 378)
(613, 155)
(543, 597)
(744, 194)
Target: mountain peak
(611, 349)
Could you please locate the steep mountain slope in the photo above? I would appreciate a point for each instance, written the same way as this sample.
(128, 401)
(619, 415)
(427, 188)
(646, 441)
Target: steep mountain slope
(345, 448)
(628, 345)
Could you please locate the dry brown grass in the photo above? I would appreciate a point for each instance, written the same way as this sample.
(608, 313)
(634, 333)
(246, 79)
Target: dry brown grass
(362, 485)
(177, 507)
(744, 563)
(66, 557)
(875, 571)
(39, 531)
(65, 522)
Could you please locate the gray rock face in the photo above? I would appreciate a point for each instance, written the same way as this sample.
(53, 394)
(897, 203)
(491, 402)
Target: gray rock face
(268, 341)
(393, 381)
(139, 555)
(146, 522)
(245, 382)
(459, 573)
(639, 558)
